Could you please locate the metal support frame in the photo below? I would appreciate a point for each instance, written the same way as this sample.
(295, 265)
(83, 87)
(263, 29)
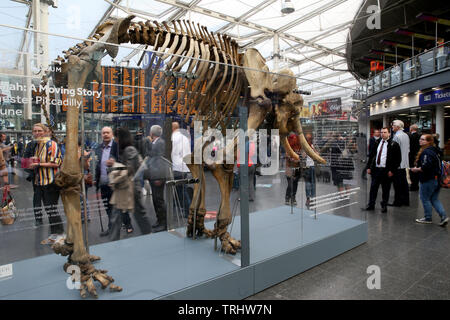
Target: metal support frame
(244, 195)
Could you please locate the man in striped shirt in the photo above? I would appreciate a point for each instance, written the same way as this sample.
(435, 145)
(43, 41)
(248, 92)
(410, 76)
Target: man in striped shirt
(46, 163)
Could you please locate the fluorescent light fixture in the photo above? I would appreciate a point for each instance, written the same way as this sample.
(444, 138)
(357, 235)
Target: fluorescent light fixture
(424, 111)
(417, 92)
(403, 114)
(436, 88)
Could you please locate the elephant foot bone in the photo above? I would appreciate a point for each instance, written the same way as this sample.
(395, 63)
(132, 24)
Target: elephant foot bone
(200, 229)
(66, 249)
(88, 275)
(229, 244)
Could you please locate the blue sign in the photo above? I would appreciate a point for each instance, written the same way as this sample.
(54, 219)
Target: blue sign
(437, 96)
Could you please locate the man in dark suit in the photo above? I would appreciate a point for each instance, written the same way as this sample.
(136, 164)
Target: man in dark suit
(383, 162)
(157, 173)
(106, 153)
(414, 149)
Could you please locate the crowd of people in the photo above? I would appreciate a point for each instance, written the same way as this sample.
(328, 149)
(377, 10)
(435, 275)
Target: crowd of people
(123, 165)
(392, 159)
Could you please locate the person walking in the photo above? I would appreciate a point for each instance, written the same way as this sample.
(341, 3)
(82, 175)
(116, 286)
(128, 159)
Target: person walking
(400, 182)
(414, 150)
(157, 174)
(293, 171)
(106, 153)
(428, 166)
(181, 147)
(383, 162)
(309, 172)
(126, 194)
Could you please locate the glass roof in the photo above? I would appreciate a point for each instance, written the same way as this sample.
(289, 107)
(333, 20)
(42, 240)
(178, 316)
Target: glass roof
(311, 39)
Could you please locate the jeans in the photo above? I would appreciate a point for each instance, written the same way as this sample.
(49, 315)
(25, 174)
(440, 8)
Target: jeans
(310, 182)
(292, 185)
(429, 193)
(117, 218)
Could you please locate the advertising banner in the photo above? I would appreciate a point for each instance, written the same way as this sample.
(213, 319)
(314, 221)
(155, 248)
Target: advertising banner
(327, 107)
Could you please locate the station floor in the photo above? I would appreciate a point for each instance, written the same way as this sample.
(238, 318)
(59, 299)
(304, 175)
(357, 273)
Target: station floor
(414, 260)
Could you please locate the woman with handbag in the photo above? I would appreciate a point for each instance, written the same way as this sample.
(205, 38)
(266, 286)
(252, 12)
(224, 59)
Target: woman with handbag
(428, 166)
(293, 171)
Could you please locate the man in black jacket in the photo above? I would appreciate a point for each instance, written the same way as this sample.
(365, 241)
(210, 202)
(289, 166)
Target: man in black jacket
(104, 154)
(157, 174)
(383, 162)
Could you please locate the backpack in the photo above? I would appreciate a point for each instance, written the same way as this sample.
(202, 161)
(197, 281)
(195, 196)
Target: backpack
(443, 172)
(444, 176)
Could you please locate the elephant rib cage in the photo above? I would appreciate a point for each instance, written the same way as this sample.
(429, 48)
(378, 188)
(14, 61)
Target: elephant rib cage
(209, 85)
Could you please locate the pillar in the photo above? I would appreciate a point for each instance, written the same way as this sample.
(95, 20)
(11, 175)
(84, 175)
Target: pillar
(440, 113)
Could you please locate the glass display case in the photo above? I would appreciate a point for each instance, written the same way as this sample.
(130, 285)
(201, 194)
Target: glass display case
(183, 164)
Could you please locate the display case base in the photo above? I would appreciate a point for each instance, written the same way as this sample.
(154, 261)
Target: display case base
(167, 266)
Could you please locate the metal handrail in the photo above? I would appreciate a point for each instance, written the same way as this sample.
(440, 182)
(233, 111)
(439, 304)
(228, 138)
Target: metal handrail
(407, 70)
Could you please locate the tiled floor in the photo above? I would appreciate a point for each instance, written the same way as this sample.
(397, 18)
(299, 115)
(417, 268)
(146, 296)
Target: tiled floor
(414, 262)
(414, 259)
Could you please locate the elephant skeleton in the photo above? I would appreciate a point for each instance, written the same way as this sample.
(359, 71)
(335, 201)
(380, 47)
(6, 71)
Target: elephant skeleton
(210, 86)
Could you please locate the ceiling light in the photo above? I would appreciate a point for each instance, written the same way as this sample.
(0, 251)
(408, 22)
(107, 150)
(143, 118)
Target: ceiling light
(436, 88)
(287, 6)
(417, 92)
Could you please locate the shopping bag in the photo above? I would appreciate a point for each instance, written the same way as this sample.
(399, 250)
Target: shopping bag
(8, 213)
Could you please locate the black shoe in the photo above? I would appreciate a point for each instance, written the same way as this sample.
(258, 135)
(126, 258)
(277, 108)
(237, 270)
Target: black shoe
(159, 228)
(384, 209)
(369, 208)
(104, 233)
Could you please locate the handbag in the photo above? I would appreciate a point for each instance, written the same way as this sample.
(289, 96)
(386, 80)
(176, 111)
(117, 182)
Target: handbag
(8, 208)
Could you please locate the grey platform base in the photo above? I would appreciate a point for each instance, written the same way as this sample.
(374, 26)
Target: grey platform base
(166, 266)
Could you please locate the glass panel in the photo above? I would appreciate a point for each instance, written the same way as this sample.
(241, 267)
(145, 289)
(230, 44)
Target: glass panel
(442, 56)
(385, 79)
(155, 139)
(425, 63)
(408, 68)
(395, 75)
(377, 83)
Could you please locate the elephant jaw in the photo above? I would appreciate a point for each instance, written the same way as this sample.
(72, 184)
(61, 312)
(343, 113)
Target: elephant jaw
(287, 123)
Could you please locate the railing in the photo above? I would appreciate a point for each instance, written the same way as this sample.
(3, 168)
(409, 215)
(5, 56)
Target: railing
(425, 63)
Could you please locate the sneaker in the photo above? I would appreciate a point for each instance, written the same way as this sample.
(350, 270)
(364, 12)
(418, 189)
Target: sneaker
(287, 202)
(443, 222)
(294, 203)
(424, 221)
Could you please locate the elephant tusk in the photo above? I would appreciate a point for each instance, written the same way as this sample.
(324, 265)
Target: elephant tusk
(289, 150)
(305, 145)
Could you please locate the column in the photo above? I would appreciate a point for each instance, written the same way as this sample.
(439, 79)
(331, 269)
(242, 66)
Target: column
(440, 124)
(385, 121)
(276, 52)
